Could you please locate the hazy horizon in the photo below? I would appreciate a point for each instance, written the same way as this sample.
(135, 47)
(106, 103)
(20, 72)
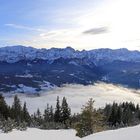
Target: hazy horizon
(76, 49)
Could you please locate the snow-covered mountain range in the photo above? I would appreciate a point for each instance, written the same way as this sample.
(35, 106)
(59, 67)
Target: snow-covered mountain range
(28, 69)
(13, 54)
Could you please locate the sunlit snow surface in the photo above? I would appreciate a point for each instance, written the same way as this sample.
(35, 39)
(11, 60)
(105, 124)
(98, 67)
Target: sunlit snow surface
(77, 95)
(130, 133)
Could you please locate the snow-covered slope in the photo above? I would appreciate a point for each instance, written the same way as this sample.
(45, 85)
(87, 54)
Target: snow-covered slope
(130, 133)
(15, 53)
(37, 134)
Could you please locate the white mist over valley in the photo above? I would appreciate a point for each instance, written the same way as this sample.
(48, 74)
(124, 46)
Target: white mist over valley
(78, 95)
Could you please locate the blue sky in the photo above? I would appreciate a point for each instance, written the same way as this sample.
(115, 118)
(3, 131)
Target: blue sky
(82, 24)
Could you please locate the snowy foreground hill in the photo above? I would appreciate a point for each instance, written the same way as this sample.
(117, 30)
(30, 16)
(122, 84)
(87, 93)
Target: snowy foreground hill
(129, 133)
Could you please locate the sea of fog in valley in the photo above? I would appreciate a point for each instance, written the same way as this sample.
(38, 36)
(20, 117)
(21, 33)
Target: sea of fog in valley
(78, 95)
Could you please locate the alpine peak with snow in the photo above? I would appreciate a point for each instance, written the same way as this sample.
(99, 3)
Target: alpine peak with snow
(12, 54)
(28, 69)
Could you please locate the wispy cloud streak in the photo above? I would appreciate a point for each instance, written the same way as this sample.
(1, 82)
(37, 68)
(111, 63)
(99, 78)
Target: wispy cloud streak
(25, 27)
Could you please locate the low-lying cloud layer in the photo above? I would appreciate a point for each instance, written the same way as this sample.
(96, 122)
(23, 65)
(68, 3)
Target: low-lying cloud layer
(78, 95)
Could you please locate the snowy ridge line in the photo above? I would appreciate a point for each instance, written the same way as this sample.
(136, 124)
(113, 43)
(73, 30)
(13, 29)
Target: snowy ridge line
(12, 54)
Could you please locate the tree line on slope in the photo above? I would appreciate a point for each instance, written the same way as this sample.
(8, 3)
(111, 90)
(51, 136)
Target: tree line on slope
(112, 116)
(18, 117)
(89, 121)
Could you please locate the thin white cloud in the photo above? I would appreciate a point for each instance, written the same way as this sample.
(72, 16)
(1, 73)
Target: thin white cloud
(24, 27)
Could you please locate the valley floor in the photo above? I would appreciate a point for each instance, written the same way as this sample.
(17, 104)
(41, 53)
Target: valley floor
(129, 133)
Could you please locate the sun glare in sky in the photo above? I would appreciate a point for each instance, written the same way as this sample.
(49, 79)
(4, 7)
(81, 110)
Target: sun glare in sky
(81, 24)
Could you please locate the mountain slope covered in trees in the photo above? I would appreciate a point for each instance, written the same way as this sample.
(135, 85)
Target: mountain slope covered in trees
(29, 70)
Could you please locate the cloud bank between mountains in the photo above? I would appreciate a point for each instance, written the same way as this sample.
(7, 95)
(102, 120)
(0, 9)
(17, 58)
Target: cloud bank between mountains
(78, 95)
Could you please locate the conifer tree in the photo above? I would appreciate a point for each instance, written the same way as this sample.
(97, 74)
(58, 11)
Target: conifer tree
(90, 120)
(57, 114)
(38, 118)
(119, 115)
(26, 115)
(84, 127)
(4, 109)
(51, 114)
(65, 111)
(127, 116)
(112, 118)
(8, 125)
(38, 113)
(46, 113)
(17, 113)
